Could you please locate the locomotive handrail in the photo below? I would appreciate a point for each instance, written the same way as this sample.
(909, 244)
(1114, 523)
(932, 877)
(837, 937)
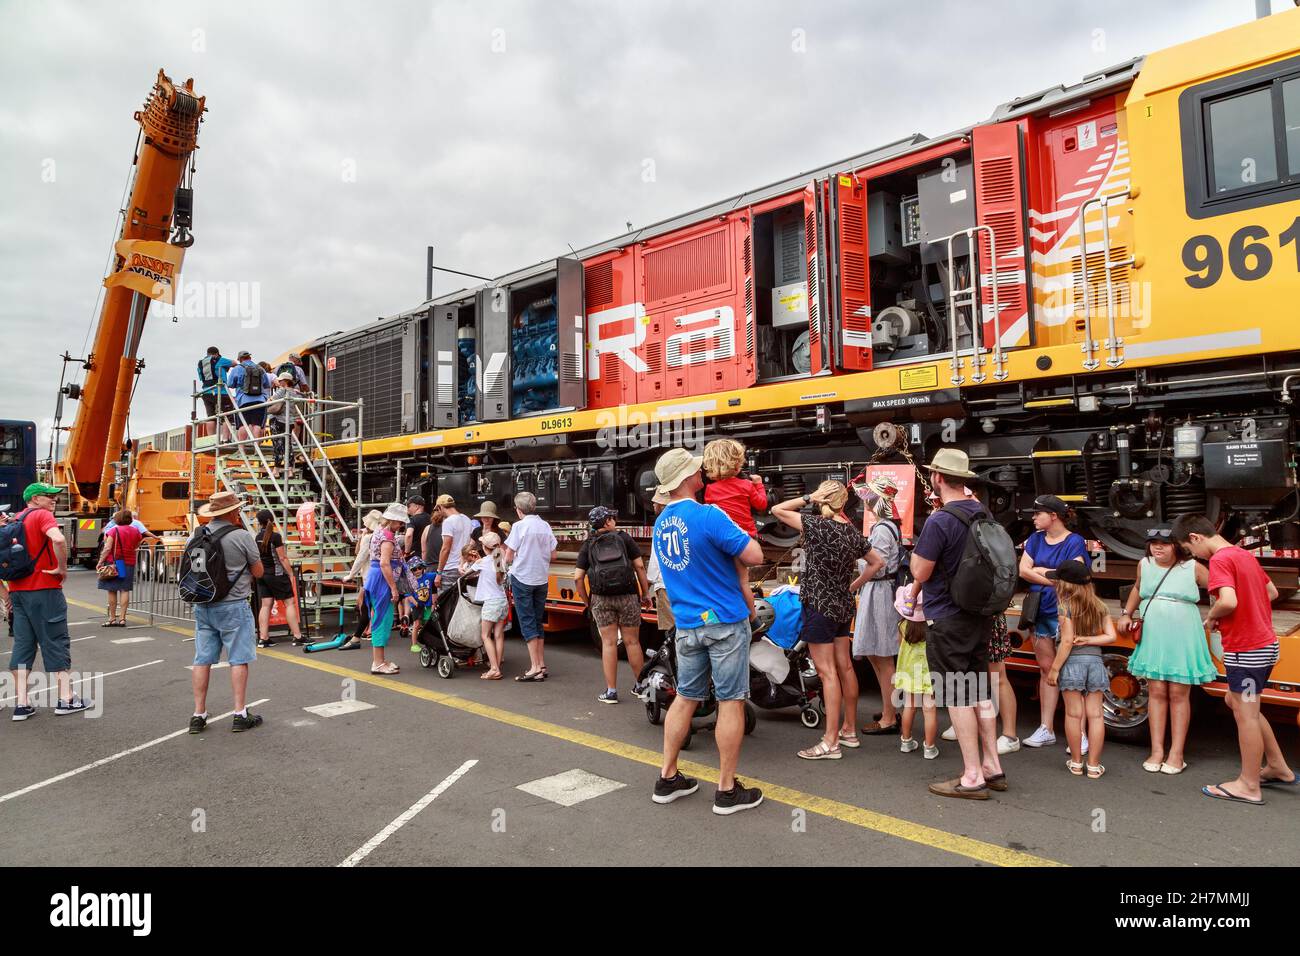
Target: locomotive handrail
(977, 310)
(1113, 342)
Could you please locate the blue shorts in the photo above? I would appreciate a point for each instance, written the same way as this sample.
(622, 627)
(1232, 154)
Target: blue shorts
(253, 417)
(1047, 628)
(720, 651)
(226, 624)
(1247, 680)
(530, 607)
(1084, 673)
(41, 618)
(817, 628)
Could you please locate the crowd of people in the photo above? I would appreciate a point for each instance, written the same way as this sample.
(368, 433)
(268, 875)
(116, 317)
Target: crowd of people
(248, 399)
(863, 597)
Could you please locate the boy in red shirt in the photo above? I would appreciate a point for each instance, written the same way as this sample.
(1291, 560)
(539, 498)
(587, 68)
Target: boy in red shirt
(1243, 615)
(738, 497)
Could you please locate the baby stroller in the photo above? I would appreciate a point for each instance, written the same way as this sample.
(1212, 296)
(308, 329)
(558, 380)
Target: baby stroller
(659, 676)
(450, 634)
(781, 673)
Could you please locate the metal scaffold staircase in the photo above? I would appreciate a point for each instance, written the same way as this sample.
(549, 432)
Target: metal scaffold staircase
(246, 466)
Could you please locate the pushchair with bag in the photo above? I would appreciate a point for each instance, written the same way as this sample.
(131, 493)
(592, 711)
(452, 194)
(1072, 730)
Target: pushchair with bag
(450, 634)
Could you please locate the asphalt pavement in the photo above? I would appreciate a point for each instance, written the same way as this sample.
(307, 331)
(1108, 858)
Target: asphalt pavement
(417, 770)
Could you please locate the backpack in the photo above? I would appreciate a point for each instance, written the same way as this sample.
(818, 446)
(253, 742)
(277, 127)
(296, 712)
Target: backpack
(903, 573)
(16, 562)
(203, 578)
(985, 579)
(252, 383)
(610, 570)
(290, 368)
(208, 370)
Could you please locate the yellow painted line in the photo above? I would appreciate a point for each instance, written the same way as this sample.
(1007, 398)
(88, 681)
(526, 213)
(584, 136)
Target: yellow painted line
(1048, 402)
(835, 809)
(1061, 453)
(1073, 497)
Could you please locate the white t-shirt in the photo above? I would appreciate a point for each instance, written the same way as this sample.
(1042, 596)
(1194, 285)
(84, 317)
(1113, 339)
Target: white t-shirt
(532, 541)
(456, 527)
(488, 587)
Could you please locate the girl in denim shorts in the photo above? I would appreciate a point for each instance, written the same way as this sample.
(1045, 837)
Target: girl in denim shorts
(1078, 668)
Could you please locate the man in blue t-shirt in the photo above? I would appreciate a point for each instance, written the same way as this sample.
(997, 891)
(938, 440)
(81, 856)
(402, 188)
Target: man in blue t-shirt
(697, 548)
(252, 387)
(212, 370)
(957, 641)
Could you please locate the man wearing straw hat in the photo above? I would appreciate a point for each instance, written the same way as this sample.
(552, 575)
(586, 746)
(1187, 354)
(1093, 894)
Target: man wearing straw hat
(697, 547)
(957, 642)
(227, 623)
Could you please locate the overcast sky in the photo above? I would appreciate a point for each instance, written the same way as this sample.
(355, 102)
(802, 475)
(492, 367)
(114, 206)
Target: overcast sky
(343, 138)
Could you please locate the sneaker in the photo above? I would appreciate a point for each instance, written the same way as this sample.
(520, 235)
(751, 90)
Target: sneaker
(1008, 745)
(678, 785)
(22, 713)
(244, 722)
(907, 745)
(930, 752)
(640, 691)
(1083, 744)
(609, 697)
(1042, 737)
(74, 706)
(950, 733)
(739, 797)
(198, 724)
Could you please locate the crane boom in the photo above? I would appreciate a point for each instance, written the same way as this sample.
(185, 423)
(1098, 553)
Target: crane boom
(158, 210)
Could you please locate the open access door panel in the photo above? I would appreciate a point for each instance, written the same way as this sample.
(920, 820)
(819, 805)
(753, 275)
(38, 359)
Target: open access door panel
(1000, 203)
(813, 212)
(494, 355)
(853, 294)
(444, 385)
(571, 329)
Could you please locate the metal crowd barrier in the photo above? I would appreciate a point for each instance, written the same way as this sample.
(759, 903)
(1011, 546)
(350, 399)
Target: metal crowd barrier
(157, 568)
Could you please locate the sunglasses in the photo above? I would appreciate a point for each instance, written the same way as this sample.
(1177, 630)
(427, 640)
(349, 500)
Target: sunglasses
(1160, 534)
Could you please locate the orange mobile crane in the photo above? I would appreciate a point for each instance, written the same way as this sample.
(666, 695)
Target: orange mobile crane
(149, 250)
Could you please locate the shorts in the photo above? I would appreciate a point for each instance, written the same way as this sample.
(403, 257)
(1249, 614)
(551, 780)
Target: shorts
(1048, 627)
(1248, 681)
(621, 609)
(124, 581)
(253, 417)
(495, 609)
(1000, 646)
(277, 587)
(717, 651)
(530, 607)
(210, 403)
(664, 611)
(1083, 672)
(40, 618)
(957, 648)
(228, 625)
(819, 629)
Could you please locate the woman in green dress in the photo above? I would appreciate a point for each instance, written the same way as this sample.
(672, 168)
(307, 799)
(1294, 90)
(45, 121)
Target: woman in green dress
(1171, 653)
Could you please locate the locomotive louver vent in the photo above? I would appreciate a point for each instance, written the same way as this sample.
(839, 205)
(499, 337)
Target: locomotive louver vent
(600, 285)
(721, 343)
(997, 180)
(791, 265)
(1097, 282)
(571, 367)
(369, 368)
(654, 358)
(693, 266)
(748, 263)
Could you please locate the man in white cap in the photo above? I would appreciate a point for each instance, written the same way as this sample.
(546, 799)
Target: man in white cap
(228, 622)
(697, 547)
(957, 642)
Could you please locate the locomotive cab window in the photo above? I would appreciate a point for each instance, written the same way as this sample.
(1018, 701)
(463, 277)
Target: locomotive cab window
(1241, 140)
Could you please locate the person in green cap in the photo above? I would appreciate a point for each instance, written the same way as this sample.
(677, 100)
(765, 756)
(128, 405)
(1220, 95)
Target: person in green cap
(37, 606)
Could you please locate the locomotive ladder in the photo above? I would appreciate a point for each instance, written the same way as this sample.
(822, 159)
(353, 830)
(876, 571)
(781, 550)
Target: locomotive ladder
(244, 466)
(969, 297)
(1113, 342)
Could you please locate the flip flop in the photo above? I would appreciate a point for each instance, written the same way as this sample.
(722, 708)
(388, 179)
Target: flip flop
(1292, 784)
(1226, 794)
(954, 788)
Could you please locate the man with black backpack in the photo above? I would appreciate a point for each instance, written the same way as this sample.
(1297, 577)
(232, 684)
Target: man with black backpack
(610, 562)
(964, 566)
(213, 369)
(33, 566)
(252, 386)
(217, 570)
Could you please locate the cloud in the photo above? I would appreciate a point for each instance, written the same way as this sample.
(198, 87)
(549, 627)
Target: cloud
(342, 138)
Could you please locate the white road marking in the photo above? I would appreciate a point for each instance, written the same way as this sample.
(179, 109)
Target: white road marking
(302, 723)
(571, 787)
(117, 756)
(46, 690)
(373, 843)
(337, 708)
(132, 640)
(70, 641)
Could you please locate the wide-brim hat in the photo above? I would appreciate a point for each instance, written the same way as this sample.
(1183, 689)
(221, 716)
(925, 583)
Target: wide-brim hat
(222, 502)
(373, 519)
(952, 462)
(674, 467)
(488, 510)
(900, 595)
(396, 512)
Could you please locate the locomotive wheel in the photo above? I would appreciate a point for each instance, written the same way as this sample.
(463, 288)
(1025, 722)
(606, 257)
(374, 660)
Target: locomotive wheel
(1124, 702)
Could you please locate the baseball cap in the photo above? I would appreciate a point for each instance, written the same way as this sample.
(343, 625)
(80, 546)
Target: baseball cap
(1051, 504)
(1072, 572)
(39, 488)
(244, 353)
(415, 500)
(600, 514)
(445, 501)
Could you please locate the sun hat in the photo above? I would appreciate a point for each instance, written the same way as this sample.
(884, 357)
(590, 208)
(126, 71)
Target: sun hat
(503, 529)
(900, 596)
(674, 467)
(220, 503)
(396, 512)
(488, 510)
(952, 462)
(373, 519)
(878, 494)
(39, 488)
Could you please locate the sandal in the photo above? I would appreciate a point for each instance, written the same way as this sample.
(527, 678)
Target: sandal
(821, 751)
(1074, 768)
(1226, 794)
(531, 676)
(1095, 772)
(876, 728)
(387, 667)
(352, 645)
(849, 740)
